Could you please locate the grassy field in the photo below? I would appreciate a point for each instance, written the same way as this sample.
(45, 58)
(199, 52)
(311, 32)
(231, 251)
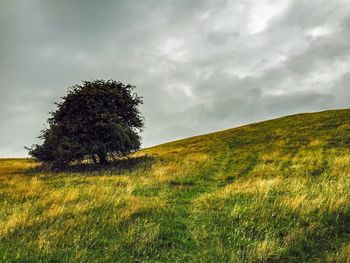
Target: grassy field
(276, 191)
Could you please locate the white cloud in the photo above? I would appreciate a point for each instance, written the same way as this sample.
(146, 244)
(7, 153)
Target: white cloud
(173, 49)
(262, 12)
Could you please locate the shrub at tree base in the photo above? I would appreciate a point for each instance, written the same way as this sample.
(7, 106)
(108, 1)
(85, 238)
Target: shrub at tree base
(95, 120)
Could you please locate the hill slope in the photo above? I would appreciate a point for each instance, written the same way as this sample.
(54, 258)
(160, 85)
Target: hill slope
(272, 191)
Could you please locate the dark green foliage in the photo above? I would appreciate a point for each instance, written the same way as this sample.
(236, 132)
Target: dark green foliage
(97, 120)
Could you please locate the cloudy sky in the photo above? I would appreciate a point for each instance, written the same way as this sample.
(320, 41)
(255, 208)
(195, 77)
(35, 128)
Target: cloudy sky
(201, 66)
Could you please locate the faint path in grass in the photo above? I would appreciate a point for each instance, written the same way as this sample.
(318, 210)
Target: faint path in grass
(176, 223)
(185, 194)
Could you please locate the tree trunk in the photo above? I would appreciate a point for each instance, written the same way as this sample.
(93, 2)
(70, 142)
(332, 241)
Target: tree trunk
(93, 157)
(102, 158)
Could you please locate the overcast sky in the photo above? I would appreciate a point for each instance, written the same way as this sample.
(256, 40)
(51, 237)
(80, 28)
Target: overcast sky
(201, 66)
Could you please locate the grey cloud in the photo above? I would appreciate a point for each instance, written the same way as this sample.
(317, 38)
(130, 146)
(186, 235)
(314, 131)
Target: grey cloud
(198, 64)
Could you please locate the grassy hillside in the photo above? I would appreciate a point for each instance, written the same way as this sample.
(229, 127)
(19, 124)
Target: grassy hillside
(277, 191)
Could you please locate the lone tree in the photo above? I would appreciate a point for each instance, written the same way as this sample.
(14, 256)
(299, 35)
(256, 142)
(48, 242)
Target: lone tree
(95, 120)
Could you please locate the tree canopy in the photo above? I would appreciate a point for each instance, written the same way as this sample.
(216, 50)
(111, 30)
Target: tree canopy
(96, 120)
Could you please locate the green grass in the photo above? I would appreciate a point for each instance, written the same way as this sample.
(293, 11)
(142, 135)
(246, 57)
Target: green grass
(276, 191)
